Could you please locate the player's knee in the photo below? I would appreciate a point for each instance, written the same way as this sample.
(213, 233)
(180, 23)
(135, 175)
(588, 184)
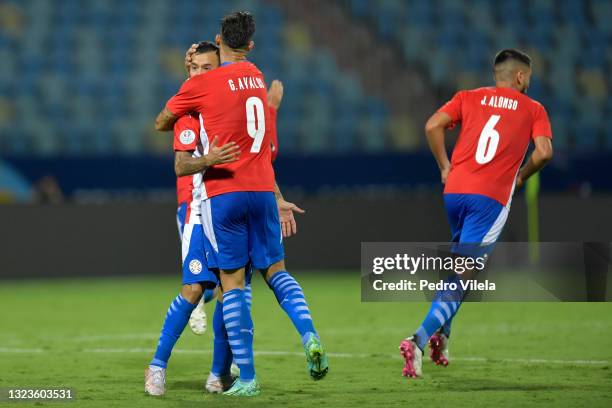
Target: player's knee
(274, 268)
(232, 279)
(192, 293)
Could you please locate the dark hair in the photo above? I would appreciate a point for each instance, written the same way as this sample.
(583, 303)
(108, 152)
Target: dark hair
(512, 54)
(237, 29)
(206, 46)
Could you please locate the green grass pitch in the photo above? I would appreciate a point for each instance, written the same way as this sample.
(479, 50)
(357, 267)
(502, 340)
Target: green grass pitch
(97, 335)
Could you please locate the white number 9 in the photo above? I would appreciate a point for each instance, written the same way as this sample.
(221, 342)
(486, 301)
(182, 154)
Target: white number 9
(256, 122)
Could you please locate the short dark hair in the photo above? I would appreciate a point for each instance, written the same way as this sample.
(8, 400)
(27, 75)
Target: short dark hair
(237, 29)
(512, 54)
(206, 46)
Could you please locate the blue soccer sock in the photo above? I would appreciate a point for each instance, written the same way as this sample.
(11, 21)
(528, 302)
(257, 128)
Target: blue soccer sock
(291, 298)
(239, 326)
(248, 295)
(208, 295)
(446, 329)
(443, 308)
(176, 320)
(222, 353)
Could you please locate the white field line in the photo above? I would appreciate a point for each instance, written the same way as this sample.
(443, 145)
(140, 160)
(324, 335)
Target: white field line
(13, 350)
(359, 355)
(205, 351)
(9, 350)
(129, 336)
(153, 336)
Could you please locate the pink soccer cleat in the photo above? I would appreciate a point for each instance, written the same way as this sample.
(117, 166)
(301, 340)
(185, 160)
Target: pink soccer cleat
(438, 349)
(413, 358)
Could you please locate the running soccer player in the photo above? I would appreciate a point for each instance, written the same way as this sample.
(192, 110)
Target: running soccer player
(497, 125)
(241, 214)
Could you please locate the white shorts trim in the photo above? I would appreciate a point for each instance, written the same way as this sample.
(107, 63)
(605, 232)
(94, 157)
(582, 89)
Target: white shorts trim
(207, 224)
(493, 234)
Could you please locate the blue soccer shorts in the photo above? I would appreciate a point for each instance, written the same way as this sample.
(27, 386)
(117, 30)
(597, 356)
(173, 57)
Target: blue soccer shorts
(476, 222)
(194, 245)
(243, 227)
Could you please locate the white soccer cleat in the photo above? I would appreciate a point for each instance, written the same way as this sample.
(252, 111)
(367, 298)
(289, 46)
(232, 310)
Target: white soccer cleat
(218, 385)
(155, 380)
(235, 370)
(413, 358)
(197, 320)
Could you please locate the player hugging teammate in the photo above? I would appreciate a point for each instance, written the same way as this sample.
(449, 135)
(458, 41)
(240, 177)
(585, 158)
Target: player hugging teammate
(235, 212)
(232, 215)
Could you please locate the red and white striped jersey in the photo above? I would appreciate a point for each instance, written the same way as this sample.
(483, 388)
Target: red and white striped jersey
(497, 125)
(232, 103)
(189, 188)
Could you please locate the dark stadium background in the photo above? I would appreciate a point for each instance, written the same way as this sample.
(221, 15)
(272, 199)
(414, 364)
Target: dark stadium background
(88, 185)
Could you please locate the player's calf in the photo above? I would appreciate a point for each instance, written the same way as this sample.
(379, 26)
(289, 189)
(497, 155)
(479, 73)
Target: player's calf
(291, 298)
(174, 324)
(238, 323)
(192, 293)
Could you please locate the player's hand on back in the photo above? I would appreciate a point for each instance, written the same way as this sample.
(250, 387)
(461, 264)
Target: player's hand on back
(229, 152)
(275, 94)
(287, 220)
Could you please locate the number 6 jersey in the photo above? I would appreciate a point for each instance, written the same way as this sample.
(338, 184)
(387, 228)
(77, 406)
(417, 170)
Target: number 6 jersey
(497, 125)
(232, 105)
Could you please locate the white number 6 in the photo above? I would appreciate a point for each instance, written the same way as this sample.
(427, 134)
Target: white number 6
(256, 122)
(488, 141)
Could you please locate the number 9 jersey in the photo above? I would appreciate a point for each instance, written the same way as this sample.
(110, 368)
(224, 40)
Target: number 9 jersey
(232, 105)
(497, 125)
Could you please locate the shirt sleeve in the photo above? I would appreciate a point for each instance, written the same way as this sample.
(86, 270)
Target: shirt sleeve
(273, 133)
(187, 98)
(185, 134)
(453, 109)
(541, 123)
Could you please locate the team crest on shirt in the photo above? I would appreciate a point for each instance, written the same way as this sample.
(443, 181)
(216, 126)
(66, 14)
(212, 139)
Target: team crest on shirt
(195, 266)
(187, 136)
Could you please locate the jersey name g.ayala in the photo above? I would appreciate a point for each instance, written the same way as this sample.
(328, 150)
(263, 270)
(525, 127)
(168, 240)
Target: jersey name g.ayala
(232, 105)
(497, 125)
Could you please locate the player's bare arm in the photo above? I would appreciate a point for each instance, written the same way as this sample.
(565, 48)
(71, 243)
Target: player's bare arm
(541, 155)
(285, 213)
(434, 129)
(165, 120)
(185, 164)
(275, 94)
